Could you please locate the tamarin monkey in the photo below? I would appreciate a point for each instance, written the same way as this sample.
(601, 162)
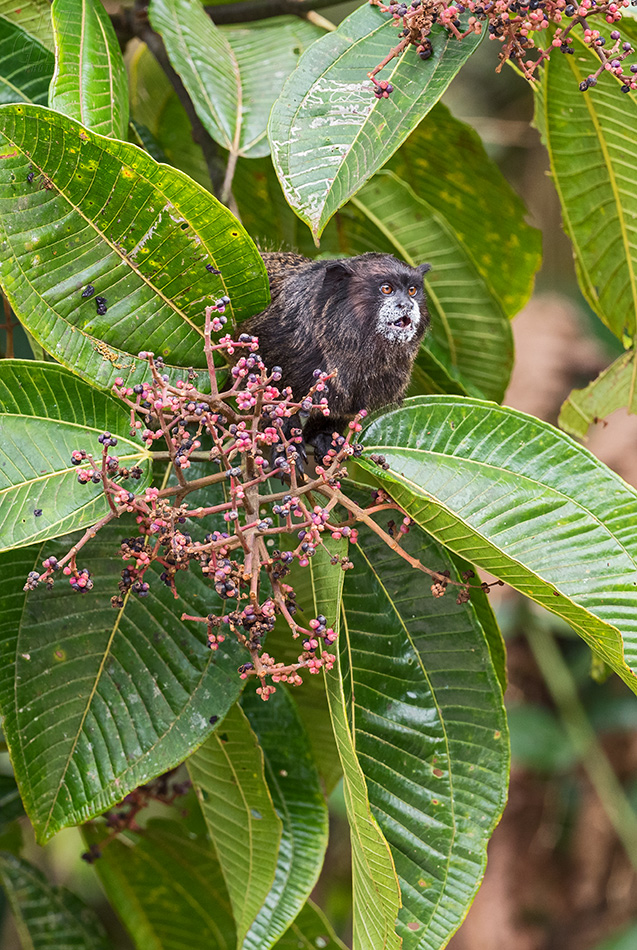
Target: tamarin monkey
(361, 317)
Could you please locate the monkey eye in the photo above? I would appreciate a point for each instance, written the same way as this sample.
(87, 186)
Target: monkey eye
(413, 291)
(386, 289)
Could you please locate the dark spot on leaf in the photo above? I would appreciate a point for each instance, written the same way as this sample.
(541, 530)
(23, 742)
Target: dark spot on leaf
(37, 512)
(223, 737)
(213, 720)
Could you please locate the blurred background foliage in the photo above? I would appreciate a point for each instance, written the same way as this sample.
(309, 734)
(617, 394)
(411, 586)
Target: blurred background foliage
(562, 871)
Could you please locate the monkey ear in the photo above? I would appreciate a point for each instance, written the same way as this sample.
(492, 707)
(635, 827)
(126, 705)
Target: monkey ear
(423, 269)
(335, 272)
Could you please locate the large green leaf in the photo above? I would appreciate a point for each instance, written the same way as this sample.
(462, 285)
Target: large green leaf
(267, 48)
(166, 885)
(102, 212)
(227, 772)
(45, 413)
(595, 179)
(429, 728)
(376, 891)
(223, 69)
(613, 389)
(48, 917)
(328, 132)
(293, 781)
(34, 16)
(208, 68)
(98, 700)
(26, 64)
(525, 502)
(90, 82)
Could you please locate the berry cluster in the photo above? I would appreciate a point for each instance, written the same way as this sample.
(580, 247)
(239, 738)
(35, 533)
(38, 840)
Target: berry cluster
(516, 25)
(247, 434)
(165, 789)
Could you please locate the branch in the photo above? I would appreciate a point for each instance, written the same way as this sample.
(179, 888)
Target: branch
(200, 135)
(263, 9)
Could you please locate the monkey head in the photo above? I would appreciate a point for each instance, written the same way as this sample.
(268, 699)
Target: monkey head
(386, 296)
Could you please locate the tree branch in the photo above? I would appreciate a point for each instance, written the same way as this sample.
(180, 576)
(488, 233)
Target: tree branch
(263, 9)
(155, 44)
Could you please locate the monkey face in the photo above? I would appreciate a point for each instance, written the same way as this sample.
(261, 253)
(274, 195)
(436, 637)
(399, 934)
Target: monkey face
(399, 313)
(402, 312)
(385, 297)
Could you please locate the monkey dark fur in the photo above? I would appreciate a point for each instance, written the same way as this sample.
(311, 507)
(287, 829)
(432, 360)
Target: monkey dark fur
(363, 317)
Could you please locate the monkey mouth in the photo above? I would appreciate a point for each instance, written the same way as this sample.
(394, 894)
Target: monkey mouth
(402, 322)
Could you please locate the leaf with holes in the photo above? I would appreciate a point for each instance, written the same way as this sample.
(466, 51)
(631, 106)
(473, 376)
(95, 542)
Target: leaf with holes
(98, 700)
(526, 503)
(329, 133)
(45, 414)
(595, 181)
(103, 213)
(90, 82)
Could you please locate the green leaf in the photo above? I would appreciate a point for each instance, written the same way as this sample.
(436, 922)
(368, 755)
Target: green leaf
(488, 621)
(155, 104)
(294, 786)
(90, 82)
(309, 931)
(375, 884)
(227, 772)
(328, 132)
(142, 234)
(48, 917)
(45, 413)
(166, 885)
(34, 16)
(269, 48)
(26, 64)
(595, 181)
(223, 69)
(107, 698)
(613, 389)
(206, 65)
(523, 501)
(429, 729)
